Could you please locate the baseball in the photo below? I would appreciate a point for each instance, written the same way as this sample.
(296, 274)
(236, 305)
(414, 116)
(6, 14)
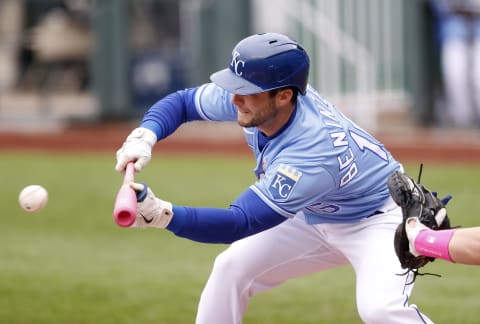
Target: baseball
(33, 198)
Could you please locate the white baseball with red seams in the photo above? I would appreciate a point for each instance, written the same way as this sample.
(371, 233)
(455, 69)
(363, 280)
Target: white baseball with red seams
(33, 198)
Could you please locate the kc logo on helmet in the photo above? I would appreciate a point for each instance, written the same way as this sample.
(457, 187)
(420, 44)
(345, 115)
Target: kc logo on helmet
(283, 182)
(237, 64)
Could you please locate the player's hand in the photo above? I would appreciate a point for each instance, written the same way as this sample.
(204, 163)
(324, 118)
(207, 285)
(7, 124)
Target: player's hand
(413, 226)
(138, 148)
(151, 211)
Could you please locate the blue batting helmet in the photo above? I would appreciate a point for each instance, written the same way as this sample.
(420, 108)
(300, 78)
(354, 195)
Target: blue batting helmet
(265, 62)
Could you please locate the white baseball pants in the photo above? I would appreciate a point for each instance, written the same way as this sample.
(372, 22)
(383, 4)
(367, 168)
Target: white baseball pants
(294, 249)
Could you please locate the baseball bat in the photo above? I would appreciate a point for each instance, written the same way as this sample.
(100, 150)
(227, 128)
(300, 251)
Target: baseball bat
(125, 209)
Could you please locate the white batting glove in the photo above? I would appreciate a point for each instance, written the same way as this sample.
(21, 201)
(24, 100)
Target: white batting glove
(138, 148)
(151, 211)
(413, 226)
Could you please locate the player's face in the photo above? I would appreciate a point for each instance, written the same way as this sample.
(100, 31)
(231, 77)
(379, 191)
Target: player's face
(256, 109)
(268, 113)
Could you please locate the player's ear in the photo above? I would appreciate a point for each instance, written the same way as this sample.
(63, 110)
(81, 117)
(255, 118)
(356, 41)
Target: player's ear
(284, 96)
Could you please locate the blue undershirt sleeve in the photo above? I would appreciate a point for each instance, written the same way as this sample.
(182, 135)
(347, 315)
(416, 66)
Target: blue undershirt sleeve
(248, 215)
(167, 114)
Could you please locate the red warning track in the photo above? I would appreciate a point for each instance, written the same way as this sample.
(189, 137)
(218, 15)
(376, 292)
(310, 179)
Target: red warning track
(419, 146)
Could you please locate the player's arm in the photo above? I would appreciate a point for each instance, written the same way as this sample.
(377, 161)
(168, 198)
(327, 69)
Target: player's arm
(207, 102)
(248, 215)
(167, 114)
(161, 120)
(464, 247)
(458, 245)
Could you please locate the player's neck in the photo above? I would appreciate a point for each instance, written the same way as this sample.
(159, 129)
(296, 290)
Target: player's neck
(276, 125)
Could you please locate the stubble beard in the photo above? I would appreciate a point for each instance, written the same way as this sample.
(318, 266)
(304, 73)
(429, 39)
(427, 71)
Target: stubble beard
(260, 118)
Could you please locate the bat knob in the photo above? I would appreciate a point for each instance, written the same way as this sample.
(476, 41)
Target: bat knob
(125, 210)
(124, 218)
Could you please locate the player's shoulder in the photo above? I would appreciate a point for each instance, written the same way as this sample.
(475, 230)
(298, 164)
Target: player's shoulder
(308, 128)
(214, 103)
(211, 90)
(319, 111)
(313, 95)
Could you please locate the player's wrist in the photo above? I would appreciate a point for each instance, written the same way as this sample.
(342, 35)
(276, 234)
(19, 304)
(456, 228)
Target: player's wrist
(137, 147)
(143, 134)
(151, 211)
(434, 244)
(413, 227)
(163, 214)
(178, 222)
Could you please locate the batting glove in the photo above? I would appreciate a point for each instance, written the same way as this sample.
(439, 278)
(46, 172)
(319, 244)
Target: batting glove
(137, 147)
(413, 226)
(151, 211)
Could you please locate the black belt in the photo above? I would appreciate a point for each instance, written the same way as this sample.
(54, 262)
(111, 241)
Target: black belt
(375, 213)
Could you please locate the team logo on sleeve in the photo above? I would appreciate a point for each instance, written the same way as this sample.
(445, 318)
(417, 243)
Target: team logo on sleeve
(283, 182)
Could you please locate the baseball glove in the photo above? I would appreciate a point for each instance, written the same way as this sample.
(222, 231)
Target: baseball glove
(415, 201)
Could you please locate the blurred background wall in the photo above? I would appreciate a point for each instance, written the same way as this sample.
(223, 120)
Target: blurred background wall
(75, 61)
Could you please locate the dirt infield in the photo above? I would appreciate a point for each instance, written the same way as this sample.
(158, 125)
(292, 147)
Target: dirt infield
(420, 145)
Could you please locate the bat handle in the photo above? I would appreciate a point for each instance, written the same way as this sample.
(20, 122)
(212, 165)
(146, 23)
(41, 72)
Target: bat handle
(129, 173)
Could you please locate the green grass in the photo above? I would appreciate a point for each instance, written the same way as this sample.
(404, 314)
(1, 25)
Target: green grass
(70, 263)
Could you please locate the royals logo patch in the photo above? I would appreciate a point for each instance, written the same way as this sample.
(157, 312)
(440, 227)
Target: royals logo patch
(283, 182)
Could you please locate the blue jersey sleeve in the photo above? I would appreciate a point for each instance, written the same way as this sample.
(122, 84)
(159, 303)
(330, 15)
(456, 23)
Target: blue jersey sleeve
(207, 102)
(167, 114)
(215, 104)
(248, 215)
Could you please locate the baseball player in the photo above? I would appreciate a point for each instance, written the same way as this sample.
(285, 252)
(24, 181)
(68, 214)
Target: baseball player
(320, 200)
